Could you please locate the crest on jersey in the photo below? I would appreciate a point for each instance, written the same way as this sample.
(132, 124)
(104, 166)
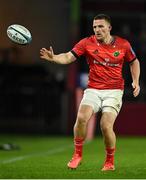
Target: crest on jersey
(116, 53)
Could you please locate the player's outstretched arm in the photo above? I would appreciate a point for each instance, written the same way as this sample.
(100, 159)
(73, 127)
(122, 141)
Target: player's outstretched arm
(135, 73)
(63, 58)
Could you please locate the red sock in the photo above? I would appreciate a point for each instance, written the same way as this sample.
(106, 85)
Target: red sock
(110, 155)
(78, 143)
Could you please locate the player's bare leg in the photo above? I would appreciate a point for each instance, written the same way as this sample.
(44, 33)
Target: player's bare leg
(106, 123)
(84, 114)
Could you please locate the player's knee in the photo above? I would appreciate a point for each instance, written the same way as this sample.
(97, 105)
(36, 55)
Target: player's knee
(81, 119)
(106, 128)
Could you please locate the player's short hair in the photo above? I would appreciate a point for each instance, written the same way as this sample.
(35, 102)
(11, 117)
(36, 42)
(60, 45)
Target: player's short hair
(103, 16)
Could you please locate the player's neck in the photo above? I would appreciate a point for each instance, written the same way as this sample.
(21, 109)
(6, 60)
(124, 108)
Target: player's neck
(108, 40)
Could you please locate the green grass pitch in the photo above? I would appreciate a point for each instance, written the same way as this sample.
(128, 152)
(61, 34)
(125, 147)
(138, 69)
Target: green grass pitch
(44, 157)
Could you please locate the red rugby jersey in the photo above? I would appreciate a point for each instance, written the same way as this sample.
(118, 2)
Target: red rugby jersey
(105, 61)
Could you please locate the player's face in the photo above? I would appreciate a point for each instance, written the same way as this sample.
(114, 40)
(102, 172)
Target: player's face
(101, 29)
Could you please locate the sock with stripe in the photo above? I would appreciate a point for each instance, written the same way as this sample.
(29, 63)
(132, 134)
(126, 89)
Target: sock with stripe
(78, 143)
(110, 155)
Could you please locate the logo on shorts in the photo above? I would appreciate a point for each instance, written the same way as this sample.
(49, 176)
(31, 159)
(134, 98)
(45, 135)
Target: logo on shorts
(118, 106)
(116, 53)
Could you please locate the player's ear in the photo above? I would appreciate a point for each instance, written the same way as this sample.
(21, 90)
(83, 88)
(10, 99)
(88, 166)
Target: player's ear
(110, 27)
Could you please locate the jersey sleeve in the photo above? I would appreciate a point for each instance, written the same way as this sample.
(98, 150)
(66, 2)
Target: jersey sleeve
(79, 49)
(130, 54)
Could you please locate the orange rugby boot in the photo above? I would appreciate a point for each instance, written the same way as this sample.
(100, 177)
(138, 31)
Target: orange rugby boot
(108, 166)
(74, 162)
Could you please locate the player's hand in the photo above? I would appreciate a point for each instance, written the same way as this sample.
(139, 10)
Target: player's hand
(47, 54)
(136, 88)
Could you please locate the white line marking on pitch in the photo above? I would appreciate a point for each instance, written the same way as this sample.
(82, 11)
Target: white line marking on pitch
(50, 152)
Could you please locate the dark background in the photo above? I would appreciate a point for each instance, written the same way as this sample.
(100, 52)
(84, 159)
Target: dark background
(40, 97)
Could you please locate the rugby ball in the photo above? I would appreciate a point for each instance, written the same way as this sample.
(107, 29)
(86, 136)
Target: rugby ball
(19, 34)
